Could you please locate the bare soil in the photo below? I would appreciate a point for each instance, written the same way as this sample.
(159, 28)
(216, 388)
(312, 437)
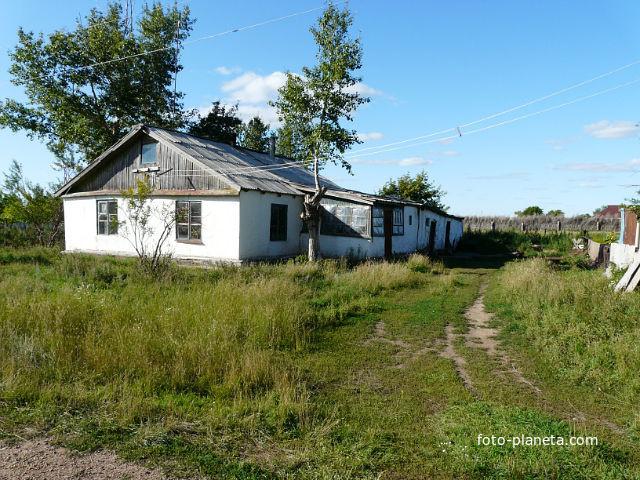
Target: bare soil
(39, 459)
(481, 335)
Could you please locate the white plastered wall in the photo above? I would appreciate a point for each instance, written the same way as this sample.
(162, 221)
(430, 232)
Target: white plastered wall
(255, 225)
(220, 228)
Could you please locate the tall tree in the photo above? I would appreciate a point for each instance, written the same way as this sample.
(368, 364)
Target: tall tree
(419, 189)
(221, 124)
(255, 135)
(529, 211)
(82, 95)
(311, 107)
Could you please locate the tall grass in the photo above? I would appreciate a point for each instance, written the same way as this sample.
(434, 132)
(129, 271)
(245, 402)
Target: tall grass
(584, 331)
(494, 242)
(89, 332)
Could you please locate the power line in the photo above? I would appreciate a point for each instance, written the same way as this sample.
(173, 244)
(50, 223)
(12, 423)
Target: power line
(208, 37)
(504, 112)
(522, 117)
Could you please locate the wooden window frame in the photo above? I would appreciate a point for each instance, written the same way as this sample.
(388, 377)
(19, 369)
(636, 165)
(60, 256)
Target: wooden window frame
(155, 152)
(398, 221)
(110, 218)
(192, 222)
(278, 224)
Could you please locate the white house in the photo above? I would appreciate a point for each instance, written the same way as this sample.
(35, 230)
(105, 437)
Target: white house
(237, 205)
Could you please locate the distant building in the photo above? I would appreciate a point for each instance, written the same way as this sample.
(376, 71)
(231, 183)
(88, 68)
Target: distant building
(235, 204)
(612, 211)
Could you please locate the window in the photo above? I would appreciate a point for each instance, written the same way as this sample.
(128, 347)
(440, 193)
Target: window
(410, 219)
(398, 221)
(278, 232)
(188, 221)
(148, 153)
(107, 217)
(345, 219)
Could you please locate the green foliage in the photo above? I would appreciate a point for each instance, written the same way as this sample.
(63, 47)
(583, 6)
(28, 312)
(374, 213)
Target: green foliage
(555, 213)
(507, 241)
(147, 227)
(529, 211)
(220, 125)
(583, 331)
(311, 106)
(76, 106)
(599, 209)
(29, 207)
(418, 188)
(254, 135)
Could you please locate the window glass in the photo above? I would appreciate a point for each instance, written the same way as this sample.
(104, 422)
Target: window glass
(188, 220)
(148, 153)
(278, 226)
(107, 217)
(345, 219)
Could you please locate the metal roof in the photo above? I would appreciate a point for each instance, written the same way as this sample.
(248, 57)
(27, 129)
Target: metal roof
(245, 169)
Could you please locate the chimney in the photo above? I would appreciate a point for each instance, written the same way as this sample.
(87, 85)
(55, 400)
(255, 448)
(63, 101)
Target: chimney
(272, 145)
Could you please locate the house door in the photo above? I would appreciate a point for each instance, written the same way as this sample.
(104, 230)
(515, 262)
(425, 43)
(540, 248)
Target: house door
(432, 236)
(447, 234)
(388, 232)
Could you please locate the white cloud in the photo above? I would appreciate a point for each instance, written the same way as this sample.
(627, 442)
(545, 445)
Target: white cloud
(228, 71)
(630, 166)
(612, 130)
(559, 148)
(364, 90)
(414, 161)
(253, 88)
(445, 141)
(450, 153)
(369, 137)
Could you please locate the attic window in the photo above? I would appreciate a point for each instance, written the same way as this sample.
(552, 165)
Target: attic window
(148, 153)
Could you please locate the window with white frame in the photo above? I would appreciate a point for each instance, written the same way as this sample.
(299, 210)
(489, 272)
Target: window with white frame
(107, 217)
(188, 220)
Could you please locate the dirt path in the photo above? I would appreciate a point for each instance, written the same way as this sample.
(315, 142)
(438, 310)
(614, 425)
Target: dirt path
(480, 335)
(40, 460)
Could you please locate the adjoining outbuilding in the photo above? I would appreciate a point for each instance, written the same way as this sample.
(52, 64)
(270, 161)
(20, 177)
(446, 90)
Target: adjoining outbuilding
(237, 205)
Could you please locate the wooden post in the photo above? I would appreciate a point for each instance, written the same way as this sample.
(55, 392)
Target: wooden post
(559, 225)
(493, 226)
(522, 227)
(598, 225)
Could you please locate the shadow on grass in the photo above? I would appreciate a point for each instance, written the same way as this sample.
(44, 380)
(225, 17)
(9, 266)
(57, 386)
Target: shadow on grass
(475, 260)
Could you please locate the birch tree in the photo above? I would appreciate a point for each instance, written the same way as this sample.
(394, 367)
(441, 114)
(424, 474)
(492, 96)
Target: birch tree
(312, 106)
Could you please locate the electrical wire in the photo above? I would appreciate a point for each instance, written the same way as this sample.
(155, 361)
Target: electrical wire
(208, 37)
(504, 112)
(522, 117)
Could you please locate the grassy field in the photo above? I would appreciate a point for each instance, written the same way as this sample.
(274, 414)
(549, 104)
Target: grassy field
(325, 371)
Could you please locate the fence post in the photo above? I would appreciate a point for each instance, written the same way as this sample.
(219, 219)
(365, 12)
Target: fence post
(559, 225)
(493, 226)
(598, 225)
(522, 227)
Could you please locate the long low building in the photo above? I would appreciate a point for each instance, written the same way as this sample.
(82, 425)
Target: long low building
(232, 204)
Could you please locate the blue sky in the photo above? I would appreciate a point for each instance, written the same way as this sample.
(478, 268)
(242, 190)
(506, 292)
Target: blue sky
(428, 66)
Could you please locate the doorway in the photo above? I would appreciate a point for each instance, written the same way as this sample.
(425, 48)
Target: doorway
(447, 236)
(432, 236)
(388, 232)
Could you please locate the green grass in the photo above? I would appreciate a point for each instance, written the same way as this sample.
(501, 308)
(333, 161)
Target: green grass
(508, 241)
(280, 371)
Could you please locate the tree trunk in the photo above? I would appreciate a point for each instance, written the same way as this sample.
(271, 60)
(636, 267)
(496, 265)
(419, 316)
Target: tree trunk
(311, 216)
